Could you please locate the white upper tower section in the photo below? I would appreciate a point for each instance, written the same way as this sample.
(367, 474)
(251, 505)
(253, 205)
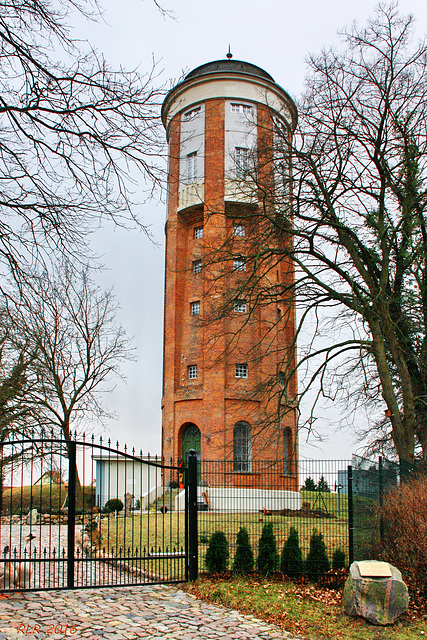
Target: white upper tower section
(243, 87)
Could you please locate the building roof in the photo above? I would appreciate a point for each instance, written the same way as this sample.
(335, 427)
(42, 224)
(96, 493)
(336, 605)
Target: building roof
(222, 68)
(234, 66)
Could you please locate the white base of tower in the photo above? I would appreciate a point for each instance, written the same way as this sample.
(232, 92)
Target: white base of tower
(239, 499)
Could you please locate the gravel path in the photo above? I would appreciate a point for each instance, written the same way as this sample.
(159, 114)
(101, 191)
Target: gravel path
(48, 553)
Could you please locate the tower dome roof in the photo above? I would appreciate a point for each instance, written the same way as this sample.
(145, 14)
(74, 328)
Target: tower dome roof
(224, 76)
(234, 66)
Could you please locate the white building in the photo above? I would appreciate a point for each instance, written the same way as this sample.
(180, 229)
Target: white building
(118, 475)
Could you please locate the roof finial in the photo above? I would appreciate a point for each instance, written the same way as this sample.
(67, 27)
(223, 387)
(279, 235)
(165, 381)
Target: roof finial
(229, 54)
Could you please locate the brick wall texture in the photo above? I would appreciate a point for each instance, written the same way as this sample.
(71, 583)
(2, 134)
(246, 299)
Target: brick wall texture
(214, 341)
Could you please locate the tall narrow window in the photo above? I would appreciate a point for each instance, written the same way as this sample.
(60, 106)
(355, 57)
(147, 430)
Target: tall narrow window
(242, 160)
(198, 233)
(192, 166)
(197, 266)
(242, 446)
(192, 371)
(241, 370)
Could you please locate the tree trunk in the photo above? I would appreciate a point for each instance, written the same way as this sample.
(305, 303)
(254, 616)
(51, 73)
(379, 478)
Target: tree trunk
(403, 427)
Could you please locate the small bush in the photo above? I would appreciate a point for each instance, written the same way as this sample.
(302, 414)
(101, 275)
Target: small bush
(309, 484)
(115, 504)
(267, 560)
(322, 485)
(244, 557)
(317, 562)
(338, 560)
(404, 516)
(291, 561)
(217, 553)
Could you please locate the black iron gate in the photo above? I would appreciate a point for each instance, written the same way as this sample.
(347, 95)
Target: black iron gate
(76, 514)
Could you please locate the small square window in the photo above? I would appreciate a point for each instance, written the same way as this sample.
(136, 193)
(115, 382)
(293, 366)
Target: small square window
(240, 306)
(241, 370)
(193, 113)
(240, 108)
(239, 264)
(239, 229)
(192, 372)
(197, 266)
(195, 308)
(198, 232)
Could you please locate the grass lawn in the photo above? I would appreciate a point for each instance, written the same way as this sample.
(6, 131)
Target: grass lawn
(153, 530)
(45, 498)
(305, 610)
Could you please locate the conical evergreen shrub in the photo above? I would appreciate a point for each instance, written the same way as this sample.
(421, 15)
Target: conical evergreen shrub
(217, 553)
(317, 562)
(244, 557)
(338, 560)
(291, 561)
(267, 560)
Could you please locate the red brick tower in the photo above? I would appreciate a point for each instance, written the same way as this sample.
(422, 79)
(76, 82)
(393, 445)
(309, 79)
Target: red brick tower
(219, 123)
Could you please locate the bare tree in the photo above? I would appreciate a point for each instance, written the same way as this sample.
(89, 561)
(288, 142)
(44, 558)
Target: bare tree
(74, 132)
(352, 220)
(70, 324)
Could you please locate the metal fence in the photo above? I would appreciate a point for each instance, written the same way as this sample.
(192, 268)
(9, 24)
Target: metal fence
(370, 480)
(229, 500)
(85, 514)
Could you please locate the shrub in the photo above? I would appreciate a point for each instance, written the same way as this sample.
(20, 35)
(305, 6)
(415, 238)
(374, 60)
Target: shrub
(322, 485)
(291, 561)
(309, 484)
(115, 504)
(267, 560)
(244, 557)
(317, 562)
(338, 560)
(404, 516)
(217, 553)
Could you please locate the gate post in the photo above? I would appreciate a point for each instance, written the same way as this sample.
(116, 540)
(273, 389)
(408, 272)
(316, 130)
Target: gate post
(71, 518)
(350, 515)
(193, 535)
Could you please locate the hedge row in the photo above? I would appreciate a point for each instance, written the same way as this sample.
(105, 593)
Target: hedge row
(290, 561)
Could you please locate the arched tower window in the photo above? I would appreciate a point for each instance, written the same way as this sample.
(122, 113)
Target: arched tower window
(242, 446)
(287, 450)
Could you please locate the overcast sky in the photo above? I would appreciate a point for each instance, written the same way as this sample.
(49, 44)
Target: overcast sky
(276, 35)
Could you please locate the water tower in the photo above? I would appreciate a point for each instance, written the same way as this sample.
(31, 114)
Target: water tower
(220, 123)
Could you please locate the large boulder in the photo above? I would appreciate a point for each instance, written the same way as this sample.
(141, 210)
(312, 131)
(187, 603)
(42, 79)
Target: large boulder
(378, 599)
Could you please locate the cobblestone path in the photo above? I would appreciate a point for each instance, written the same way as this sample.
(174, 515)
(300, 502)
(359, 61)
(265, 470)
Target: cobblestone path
(126, 613)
